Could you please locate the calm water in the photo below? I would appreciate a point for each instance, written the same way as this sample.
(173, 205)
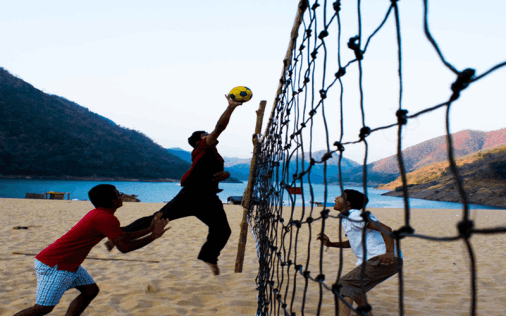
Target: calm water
(160, 192)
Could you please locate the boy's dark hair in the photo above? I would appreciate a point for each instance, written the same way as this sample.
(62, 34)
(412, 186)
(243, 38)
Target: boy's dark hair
(103, 195)
(357, 199)
(195, 138)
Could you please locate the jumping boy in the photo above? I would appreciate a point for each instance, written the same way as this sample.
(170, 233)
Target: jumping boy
(198, 196)
(58, 266)
(381, 261)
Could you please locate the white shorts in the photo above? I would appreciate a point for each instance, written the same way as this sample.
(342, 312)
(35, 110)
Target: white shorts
(52, 283)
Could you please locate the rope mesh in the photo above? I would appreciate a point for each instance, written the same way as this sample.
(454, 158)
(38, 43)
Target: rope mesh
(312, 82)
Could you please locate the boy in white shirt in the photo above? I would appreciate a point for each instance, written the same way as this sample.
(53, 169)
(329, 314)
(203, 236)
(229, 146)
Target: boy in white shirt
(381, 261)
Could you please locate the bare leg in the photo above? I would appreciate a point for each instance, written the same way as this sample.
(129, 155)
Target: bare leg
(79, 304)
(343, 309)
(361, 302)
(214, 268)
(36, 310)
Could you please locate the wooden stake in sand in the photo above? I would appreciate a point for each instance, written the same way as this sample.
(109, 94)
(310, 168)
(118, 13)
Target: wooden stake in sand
(93, 258)
(25, 227)
(247, 193)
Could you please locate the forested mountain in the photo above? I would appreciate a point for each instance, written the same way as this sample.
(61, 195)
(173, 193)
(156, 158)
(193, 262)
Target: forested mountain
(44, 135)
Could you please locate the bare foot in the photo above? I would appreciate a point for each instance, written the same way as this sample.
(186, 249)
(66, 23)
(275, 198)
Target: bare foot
(214, 268)
(109, 245)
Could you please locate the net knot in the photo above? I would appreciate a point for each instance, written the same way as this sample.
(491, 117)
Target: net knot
(339, 146)
(315, 6)
(403, 230)
(325, 213)
(309, 220)
(308, 32)
(402, 118)
(303, 5)
(364, 132)
(323, 34)
(326, 156)
(465, 228)
(341, 72)
(463, 79)
(320, 278)
(312, 162)
(306, 274)
(314, 53)
(323, 94)
(337, 5)
(336, 288)
(352, 44)
(298, 267)
(364, 309)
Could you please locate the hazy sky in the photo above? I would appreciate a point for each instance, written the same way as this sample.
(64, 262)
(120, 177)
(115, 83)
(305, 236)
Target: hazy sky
(163, 67)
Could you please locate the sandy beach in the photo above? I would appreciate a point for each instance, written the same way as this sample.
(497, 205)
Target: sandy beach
(436, 274)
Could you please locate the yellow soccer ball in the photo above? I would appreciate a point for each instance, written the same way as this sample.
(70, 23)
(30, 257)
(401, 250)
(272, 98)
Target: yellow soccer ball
(241, 94)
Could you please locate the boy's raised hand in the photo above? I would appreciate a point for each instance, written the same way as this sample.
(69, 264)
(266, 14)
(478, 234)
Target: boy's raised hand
(232, 102)
(326, 240)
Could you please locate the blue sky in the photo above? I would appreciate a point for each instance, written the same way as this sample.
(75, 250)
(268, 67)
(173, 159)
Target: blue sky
(163, 67)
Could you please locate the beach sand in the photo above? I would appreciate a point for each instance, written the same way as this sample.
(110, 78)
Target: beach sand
(436, 274)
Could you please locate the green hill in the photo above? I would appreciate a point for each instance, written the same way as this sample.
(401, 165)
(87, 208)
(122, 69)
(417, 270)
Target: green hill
(47, 136)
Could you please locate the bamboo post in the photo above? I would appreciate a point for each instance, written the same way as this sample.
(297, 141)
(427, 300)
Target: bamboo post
(246, 203)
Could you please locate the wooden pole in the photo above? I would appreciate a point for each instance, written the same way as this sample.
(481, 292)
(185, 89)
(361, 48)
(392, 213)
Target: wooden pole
(246, 203)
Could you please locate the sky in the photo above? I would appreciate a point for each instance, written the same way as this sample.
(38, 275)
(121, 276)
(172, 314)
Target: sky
(163, 67)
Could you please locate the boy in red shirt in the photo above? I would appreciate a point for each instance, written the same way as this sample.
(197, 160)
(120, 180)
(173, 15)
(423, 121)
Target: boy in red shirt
(58, 266)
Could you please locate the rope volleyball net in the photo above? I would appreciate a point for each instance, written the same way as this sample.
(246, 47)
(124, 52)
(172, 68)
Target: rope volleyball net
(324, 81)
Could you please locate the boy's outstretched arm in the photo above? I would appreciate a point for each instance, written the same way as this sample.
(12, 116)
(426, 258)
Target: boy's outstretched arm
(222, 122)
(389, 256)
(126, 244)
(328, 243)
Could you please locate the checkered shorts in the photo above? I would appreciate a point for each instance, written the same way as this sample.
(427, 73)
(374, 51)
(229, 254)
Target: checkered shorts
(52, 283)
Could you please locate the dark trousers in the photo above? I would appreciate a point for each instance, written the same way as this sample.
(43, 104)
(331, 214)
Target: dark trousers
(207, 207)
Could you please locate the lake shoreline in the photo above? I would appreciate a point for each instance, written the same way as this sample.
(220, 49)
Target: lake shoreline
(481, 198)
(72, 178)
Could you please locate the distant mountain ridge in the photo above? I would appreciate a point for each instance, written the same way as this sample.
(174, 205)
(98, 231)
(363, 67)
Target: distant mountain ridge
(428, 152)
(483, 174)
(44, 135)
(240, 167)
(434, 150)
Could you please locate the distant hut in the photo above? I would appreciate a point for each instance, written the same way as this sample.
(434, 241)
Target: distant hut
(51, 195)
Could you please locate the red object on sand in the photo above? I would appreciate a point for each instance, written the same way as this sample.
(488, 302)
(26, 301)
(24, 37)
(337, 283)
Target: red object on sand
(296, 190)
